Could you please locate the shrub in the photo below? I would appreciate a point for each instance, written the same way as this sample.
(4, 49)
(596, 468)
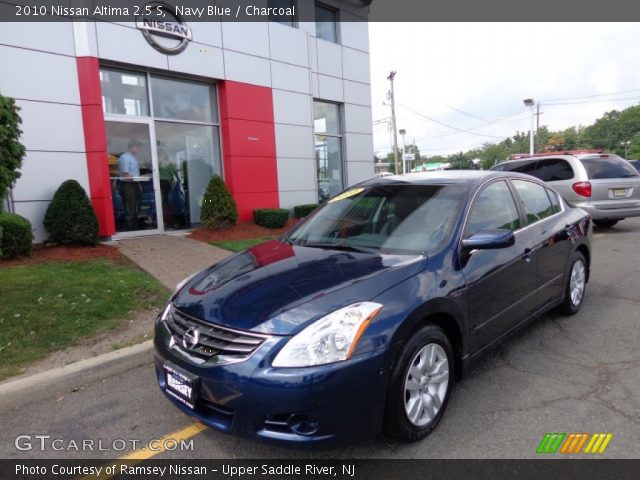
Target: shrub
(0, 241)
(70, 218)
(218, 209)
(271, 217)
(16, 235)
(301, 211)
(11, 150)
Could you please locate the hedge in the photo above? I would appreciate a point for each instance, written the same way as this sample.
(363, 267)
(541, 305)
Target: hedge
(271, 217)
(301, 211)
(17, 236)
(0, 241)
(70, 218)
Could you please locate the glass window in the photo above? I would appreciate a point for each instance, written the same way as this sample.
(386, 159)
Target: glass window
(183, 100)
(124, 93)
(609, 167)
(188, 157)
(494, 209)
(326, 23)
(520, 166)
(289, 20)
(554, 169)
(326, 118)
(328, 146)
(555, 203)
(534, 199)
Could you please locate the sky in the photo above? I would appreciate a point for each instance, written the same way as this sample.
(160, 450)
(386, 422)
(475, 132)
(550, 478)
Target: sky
(475, 76)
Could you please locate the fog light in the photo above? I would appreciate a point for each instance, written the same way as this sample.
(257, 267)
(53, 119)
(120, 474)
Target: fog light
(302, 425)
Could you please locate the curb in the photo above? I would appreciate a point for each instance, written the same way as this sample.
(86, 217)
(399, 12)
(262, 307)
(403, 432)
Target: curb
(60, 380)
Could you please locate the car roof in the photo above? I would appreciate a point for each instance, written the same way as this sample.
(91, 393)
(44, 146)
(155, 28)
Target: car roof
(467, 177)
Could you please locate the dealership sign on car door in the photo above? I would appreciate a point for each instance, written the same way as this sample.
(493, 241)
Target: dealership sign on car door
(163, 28)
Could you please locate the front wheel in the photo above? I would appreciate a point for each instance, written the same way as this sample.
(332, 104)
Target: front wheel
(420, 386)
(605, 223)
(576, 285)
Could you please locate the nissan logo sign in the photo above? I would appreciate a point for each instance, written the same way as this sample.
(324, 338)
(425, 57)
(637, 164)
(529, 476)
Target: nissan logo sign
(191, 338)
(163, 28)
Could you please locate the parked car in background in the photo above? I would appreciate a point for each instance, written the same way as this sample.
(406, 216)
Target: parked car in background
(635, 164)
(604, 185)
(361, 317)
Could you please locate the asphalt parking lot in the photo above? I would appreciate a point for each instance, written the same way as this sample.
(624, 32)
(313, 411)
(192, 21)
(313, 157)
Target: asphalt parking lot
(561, 374)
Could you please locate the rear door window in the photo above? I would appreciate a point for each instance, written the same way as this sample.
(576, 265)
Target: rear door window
(609, 167)
(555, 203)
(554, 169)
(520, 166)
(534, 199)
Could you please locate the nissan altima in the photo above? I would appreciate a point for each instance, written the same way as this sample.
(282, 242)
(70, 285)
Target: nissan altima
(362, 316)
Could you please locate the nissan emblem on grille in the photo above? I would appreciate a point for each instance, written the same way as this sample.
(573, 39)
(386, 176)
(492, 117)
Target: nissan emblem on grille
(191, 338)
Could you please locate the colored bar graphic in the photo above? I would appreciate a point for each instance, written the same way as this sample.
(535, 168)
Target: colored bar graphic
(572, 443)
(550, 442)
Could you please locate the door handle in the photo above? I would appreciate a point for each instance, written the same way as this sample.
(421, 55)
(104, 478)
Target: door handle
(526, 255)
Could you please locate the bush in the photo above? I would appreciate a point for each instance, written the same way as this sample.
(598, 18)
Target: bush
(0, 241)
(301, 211)
(218, 209)
(11, 150)
(271, 217)
(16, 235)
(70, 218)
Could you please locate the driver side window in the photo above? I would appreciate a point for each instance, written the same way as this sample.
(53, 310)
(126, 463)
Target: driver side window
(493, 209)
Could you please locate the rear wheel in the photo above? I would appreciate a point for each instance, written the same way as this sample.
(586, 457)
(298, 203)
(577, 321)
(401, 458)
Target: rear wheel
(605, 223)
(576, 285)
(420, 385)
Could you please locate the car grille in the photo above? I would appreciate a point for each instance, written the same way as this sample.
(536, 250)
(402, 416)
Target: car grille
(215, 340)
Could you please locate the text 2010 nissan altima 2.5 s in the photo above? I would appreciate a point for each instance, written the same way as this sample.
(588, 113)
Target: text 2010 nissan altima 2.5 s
(360, 317)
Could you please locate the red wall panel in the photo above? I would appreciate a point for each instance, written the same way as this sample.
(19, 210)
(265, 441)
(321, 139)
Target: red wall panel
(249, 146)
(95, 142)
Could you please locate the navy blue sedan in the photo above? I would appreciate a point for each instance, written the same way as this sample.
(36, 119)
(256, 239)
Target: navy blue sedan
(361, 317)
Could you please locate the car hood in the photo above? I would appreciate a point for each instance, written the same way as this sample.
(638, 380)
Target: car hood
(278, 288)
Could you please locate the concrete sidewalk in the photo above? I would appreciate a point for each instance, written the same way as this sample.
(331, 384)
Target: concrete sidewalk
(170, 258)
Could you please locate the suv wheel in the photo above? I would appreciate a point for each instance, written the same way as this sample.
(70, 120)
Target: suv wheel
(605, 223)
(420, 386)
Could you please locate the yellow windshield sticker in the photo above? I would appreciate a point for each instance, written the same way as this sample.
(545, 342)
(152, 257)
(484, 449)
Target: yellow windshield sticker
(347, 194)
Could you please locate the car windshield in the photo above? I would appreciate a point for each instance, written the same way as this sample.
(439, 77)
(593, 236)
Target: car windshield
(395, 218)
(611, 167)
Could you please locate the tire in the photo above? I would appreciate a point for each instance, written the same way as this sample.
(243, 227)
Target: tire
(577, 276)
(605, 223)
(407, 394)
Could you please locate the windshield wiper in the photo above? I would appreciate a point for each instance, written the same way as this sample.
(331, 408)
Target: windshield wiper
(338, 246)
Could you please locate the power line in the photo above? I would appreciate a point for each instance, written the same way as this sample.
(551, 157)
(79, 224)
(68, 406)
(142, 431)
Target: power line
(446, 124)
(544, 102)
(622, 99)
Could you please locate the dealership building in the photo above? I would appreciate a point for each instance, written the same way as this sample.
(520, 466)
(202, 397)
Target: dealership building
(281, 110)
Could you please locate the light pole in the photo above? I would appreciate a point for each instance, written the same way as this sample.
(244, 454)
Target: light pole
(529, 102)
(626, 147)
(403, 132)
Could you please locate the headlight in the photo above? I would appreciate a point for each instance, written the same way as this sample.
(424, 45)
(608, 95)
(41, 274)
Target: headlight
(332, 338)
(168, 312)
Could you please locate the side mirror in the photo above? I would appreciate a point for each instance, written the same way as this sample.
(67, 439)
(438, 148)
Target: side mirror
(488, 240)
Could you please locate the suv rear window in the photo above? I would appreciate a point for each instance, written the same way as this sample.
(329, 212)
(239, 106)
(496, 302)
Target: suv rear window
(554, 169)
(520, 166)
(610, 167)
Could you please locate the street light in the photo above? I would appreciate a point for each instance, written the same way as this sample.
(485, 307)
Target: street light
(403, 132)
(529, 102)
(626, 147)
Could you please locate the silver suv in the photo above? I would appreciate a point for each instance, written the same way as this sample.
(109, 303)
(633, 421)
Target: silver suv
(606, 186)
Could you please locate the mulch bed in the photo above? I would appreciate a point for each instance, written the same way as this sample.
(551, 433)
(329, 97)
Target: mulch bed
(43, 253)
(239, 232)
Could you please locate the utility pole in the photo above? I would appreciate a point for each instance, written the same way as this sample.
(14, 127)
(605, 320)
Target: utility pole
(391, 76)
(538, 113)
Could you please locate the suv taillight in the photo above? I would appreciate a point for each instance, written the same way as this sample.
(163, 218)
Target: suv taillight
(582, 188)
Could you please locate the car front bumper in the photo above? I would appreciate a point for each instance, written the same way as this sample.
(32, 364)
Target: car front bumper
(330, 404)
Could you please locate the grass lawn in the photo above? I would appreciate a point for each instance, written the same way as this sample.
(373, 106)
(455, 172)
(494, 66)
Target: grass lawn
(49, 306)
(239, 245)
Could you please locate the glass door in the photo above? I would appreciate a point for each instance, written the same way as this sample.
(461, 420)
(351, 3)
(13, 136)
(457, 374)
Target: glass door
(134, 187)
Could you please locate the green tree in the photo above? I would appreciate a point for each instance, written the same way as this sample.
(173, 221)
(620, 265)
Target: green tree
(11, 150)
